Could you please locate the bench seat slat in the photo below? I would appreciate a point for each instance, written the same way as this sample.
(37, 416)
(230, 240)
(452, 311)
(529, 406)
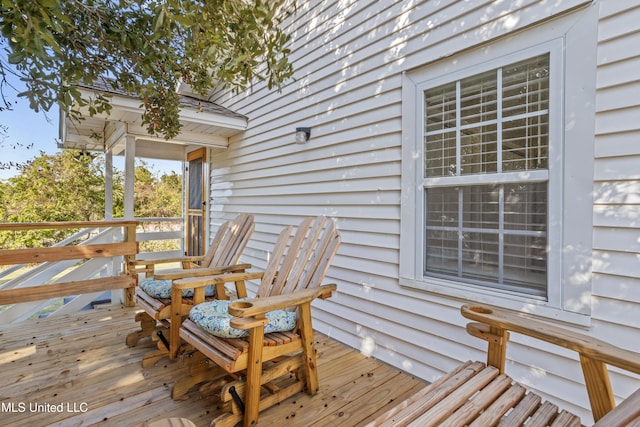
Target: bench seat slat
(478, 403)
(522, 411)
(543, 416)
(566, 419)
(436, 415)
(421, 399)
(478, 396)
(500, 406)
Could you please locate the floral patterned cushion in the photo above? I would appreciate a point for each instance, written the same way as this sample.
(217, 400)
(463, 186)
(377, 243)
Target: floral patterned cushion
(162, 288)
(214, 317)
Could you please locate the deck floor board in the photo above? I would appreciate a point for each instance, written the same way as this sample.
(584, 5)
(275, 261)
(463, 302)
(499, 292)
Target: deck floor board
(80, 363)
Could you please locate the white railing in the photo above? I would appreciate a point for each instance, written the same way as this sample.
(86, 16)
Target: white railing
(155, 234)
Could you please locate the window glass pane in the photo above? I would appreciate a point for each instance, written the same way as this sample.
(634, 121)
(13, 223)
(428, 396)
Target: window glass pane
(440, 108)
(440, 154)
(481, 206)
(525, 240)
(525, 207)
(441, 256)
(480, 223)
(195, 184)
(480, 258)
(525, 87)
(442, 207)
(525, 143)
(525, 261)
(478, 98)
(478, 150)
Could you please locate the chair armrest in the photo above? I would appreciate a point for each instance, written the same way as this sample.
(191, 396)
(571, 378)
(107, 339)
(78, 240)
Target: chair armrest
(202, 281)
(145, 262)
(174, 274)
(259, 306)
(581, 343)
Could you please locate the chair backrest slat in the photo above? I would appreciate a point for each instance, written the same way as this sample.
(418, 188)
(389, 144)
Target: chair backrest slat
(230, 241)
(306, 260)
(239, 234)
(273, 265)
(319, 263)
(214, 247)
(290, 258)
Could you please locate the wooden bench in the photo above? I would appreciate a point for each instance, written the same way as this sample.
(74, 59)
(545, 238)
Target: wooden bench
(479, 394)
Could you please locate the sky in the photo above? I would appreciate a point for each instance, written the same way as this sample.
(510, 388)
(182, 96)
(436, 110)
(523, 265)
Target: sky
(36, 132)
(28, 128)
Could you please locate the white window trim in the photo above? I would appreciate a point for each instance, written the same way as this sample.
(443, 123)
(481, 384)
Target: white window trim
(572, 43)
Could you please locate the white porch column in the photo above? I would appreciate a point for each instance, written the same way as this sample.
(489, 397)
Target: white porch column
(108, 185)
(129, 175)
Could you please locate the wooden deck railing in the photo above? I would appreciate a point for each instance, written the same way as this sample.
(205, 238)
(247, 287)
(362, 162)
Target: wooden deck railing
(160, 238)
(125, 246)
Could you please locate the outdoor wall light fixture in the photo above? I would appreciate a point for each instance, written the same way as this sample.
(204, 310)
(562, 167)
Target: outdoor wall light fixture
(302, 135)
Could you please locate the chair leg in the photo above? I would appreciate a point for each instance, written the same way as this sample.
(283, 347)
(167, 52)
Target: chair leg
(159, 337)
(147, 327)
(226, 420)
(254, 373)
(310, 365)
(200, 370)
(150, 359)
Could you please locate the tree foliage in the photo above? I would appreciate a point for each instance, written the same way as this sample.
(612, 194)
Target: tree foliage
(145, 47)
(69, 186)
(156, 197)
(62, 187)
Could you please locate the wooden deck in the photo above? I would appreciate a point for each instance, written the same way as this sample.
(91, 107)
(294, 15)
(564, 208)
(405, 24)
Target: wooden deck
(76, 370)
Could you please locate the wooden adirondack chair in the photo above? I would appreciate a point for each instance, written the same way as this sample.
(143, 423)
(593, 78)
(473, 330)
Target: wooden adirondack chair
(222, 256)
(482, 395)
(262, 361)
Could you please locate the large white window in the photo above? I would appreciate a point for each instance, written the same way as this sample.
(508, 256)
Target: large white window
(486, 176)
(497, 172)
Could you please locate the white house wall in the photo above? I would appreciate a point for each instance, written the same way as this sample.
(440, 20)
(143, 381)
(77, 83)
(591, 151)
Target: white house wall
(616, 214)
(349, 57)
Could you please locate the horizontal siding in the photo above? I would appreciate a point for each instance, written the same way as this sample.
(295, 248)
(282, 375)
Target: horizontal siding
(349, 57)
(623, 288)
(616, 218)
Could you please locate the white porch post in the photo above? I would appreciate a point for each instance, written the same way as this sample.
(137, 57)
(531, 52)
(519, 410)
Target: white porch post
(129, 174)
(108, 185)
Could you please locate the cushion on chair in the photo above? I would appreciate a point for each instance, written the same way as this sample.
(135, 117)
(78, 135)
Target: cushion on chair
(214, 317)
(162, 288)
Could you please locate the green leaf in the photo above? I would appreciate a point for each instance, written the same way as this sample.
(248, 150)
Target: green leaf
(49, 39)
(49, 3)
(159, 20)
(16, 57)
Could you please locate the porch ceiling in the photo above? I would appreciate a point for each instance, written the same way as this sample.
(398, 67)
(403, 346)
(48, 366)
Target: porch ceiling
(203, 124)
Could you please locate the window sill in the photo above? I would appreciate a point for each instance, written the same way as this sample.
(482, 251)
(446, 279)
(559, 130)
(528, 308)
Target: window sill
(531, 305)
